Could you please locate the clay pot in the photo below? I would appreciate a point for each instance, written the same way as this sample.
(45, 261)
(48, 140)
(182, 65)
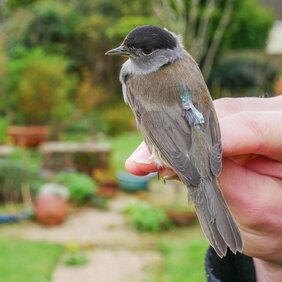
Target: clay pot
(278, 86)
(28, 136)
(51, 209)
(108, 189)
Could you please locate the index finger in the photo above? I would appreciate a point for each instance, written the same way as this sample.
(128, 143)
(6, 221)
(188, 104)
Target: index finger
(229, 106)
(252, 133)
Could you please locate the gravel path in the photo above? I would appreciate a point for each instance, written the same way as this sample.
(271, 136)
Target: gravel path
(115, 253)
(108, 266)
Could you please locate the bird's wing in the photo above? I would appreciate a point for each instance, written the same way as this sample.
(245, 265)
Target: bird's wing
(168, 132)
(205, 118)
(167, 123)
(212, 132)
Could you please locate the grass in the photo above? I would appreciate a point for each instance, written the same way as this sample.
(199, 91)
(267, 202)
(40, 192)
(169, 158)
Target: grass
(27, 261)
(123, 146)
(10, 208)
(183, 261)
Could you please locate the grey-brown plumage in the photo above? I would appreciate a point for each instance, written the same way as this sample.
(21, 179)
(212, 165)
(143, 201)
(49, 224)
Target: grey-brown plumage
(169, 98)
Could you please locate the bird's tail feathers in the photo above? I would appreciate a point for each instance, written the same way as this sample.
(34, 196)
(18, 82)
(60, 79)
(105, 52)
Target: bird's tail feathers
(215, 218)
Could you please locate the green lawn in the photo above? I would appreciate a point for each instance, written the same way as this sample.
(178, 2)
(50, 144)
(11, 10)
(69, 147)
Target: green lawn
(123, 146)
(26, 261)
(183, 261)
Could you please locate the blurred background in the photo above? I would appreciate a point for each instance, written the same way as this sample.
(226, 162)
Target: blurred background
(68, 210)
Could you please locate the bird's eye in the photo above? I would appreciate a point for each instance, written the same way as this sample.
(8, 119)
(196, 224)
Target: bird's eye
(147, 50)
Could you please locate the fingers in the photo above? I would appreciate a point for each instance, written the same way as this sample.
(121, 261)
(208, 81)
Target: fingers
(140, 162)
(249, 194)
(265, 166)
(255, 202)
(252, 133)
(229, 106)
(248, 126)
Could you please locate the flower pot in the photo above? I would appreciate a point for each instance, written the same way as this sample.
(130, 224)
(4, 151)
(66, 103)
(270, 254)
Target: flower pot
(28, 136)
(51, 209)
(108, 189)
(278, 86)
(132, 183)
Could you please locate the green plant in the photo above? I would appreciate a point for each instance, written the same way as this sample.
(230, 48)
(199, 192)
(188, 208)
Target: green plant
(80, 185)
(244, 74)
(74, 255)
(38, 87)
(76, 259)
(209, 27)
(119, 119)
(124, 24)
(3, 129)
(99, 202)
(145, 217)
(18, 172)
(249, 27)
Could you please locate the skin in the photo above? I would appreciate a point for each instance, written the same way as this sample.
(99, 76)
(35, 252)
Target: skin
(251, 177)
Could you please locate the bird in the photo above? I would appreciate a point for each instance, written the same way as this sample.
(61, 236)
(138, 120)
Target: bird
(165, 89)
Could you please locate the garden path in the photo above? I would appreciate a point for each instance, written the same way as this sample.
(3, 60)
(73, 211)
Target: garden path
(115, 252)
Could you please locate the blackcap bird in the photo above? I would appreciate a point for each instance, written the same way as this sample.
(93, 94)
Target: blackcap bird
(165, 89)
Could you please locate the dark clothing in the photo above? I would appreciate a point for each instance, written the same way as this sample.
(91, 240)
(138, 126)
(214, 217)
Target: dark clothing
(231, 268)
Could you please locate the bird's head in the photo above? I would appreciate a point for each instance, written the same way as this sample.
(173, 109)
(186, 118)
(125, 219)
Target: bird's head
(150, 47)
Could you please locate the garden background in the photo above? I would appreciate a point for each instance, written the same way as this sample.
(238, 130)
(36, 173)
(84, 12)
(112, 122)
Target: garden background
(68, 211)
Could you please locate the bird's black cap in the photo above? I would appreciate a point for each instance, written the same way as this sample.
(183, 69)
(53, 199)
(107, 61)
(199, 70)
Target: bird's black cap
(149, 36)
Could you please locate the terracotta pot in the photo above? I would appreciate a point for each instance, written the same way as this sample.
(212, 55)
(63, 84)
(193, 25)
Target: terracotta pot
(51, 209)
(278, 86)
(28, 136)
(108, 189)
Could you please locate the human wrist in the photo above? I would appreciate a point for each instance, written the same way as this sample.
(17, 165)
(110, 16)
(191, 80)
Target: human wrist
(267, 272)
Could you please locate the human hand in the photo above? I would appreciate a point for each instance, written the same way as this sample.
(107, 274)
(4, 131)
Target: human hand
(251, 178)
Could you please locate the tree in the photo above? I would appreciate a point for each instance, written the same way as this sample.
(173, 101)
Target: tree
(207, 26)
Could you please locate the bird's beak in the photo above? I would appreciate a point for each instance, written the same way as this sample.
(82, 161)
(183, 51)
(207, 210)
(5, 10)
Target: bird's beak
(121, 51)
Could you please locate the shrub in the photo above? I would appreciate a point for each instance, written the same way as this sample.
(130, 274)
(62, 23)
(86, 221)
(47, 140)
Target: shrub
(74, 255)
(17, 173)
(80, 185)
(119, 119)
(247, 75)
(38, 87)
(144, 217)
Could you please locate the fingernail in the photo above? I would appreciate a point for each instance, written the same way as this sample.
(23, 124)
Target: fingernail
(141, 156)
(141, 160)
